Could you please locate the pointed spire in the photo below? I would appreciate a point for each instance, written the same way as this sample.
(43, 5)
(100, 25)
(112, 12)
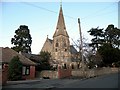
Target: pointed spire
(47, 38)
(61, 28)
(61, 3)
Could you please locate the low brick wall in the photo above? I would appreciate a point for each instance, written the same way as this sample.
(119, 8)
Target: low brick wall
(93, 72)
(62, 73)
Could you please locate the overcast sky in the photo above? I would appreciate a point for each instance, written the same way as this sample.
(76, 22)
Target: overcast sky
(41, 18)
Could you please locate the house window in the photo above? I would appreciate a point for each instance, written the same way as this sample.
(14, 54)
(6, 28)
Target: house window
(0, 66)
(23, 70)
(26, 70)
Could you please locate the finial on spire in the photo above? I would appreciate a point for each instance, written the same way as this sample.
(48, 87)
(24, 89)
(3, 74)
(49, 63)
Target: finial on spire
(60, 3)
(47, 36)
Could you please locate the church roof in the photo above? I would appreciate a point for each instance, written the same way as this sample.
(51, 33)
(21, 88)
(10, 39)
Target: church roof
(61, 28)
(73, 50)
(50, 40)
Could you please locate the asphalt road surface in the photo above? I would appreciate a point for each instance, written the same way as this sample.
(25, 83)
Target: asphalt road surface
(104, 81)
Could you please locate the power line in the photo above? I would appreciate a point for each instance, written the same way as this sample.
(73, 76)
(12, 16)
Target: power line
(38, 7)
(102, 14)
(99, 11)
(74, 18)
(93, 15)
(46, 9)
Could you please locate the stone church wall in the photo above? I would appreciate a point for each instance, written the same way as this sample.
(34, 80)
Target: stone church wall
(47, 46)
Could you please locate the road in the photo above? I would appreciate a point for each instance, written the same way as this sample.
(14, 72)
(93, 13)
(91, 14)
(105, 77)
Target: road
(105, 81)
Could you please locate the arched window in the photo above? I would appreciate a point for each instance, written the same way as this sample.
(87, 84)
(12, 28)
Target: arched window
(65, 44)
(72, 66)
(65, 66)
(65, 50)
(56, 49)
(57, 44)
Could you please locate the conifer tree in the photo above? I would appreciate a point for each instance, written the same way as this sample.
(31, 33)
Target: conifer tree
(22, 40)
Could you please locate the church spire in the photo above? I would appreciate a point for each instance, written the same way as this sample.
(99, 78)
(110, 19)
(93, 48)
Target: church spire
(61, 3)
(60, 28)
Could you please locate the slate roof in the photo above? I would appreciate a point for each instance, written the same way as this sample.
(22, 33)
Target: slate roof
(50, 40)
(7, 54)
(73, 50)
(33, 57)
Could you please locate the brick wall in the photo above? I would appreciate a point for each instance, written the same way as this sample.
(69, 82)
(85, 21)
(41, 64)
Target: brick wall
(32, 72)
(4, 74)
(62, 73)
(31, 75)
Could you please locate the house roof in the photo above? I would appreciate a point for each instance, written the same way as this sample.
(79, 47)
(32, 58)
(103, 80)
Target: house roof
(33, 57)
(7, 54)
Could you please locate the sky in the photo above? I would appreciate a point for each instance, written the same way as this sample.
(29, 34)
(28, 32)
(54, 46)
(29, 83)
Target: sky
(41, 19)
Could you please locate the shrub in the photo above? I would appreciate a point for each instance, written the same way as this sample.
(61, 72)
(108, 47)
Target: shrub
(15, 69)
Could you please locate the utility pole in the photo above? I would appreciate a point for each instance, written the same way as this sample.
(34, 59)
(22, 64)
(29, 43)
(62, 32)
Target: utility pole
(81, 46)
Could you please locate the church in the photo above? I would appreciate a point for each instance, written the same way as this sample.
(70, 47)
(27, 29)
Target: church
(61, 50)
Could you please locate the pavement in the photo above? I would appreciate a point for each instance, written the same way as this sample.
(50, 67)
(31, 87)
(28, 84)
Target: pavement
(22, 82)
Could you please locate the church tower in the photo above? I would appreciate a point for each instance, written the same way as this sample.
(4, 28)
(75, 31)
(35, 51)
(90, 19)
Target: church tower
(61, 43)
(61, 50)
